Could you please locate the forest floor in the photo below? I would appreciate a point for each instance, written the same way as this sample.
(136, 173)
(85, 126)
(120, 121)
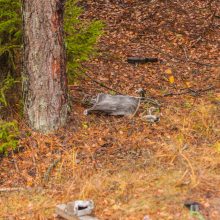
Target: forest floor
(130, 168)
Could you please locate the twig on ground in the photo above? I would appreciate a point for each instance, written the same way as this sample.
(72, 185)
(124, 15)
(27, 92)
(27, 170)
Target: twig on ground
(17, 189)
(151, 100)
(50, 168)
(146, 99)
(13, 189)
(205, 30)
(185, 53)
(177, 59)
(179, 183)
(193, 175)
(103, 85)
(190, 90)
(136, 109)
(15, 163)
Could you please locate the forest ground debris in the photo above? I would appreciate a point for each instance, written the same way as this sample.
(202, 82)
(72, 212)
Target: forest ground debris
(129, 167)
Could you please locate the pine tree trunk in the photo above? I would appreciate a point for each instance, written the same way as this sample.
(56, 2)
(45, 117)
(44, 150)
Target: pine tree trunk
(44, 76)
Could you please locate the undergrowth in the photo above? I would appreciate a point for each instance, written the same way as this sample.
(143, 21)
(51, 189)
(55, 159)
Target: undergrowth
(10, 36)
(81, 38)
(5, 86)
(8, 130)
(8, 136)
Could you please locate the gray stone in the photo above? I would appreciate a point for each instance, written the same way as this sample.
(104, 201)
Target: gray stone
(76, 210)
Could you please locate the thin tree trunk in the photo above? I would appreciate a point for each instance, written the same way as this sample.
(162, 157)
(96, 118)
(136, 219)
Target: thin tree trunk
(44, 77)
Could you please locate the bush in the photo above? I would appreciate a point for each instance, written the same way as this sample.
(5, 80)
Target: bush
(80, 37)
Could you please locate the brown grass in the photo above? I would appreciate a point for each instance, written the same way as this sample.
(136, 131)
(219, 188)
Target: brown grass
(143, 170)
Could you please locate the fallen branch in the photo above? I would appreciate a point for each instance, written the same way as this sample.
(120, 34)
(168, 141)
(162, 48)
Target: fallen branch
(103, 85)
(15, 163)
(189, 90)
(145, 99)
(150, 100)
(177, 59)
(50, 168)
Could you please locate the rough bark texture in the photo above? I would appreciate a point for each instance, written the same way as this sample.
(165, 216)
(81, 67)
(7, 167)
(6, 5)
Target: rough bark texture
(44, 77)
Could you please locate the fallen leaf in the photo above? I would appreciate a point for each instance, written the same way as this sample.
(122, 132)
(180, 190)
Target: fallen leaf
(171, 79)
(168, 71)
(188, 84)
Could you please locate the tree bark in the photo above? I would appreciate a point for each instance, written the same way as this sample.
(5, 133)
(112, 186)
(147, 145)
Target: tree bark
(44, 74)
